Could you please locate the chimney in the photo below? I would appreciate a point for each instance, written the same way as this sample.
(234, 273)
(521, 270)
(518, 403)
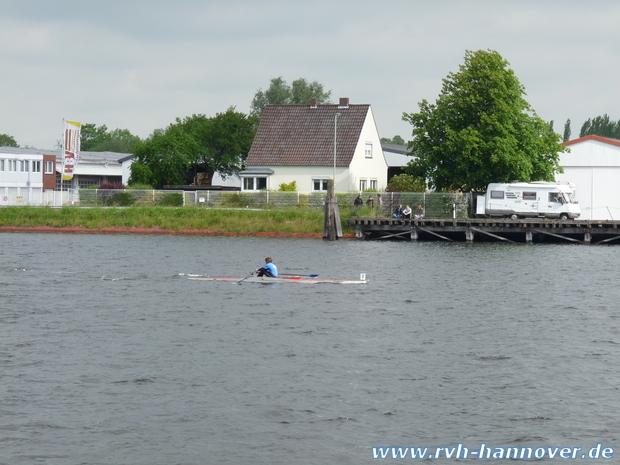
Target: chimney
(344, 102)
(314, 102)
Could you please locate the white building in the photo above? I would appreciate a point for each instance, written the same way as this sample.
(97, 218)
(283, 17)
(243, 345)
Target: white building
(593, 165)
(310, 144)
(25, 175)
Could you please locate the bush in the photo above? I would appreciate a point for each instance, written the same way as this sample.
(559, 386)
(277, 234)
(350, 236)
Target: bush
(172, 200)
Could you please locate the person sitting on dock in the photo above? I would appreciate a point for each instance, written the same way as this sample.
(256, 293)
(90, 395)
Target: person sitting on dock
(419, 213)
(407, 213)
(398, 212)
(269, 270)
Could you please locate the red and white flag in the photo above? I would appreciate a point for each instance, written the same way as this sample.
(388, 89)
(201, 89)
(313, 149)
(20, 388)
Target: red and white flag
(71, 148)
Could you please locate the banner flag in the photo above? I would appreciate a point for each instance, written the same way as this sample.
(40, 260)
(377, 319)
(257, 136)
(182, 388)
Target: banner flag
(71, 147)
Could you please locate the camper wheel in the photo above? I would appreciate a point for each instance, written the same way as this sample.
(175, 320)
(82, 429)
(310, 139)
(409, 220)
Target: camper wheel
(514, 216)
(563, 216)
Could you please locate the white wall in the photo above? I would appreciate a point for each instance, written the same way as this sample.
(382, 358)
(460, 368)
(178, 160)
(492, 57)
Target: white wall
(368, 168)
(594, 167)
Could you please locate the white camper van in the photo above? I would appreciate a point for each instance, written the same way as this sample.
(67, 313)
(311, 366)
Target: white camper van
(538, 199)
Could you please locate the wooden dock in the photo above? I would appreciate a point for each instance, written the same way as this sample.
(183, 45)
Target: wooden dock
(488, 230)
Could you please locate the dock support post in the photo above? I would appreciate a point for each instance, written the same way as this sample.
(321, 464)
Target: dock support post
(469, 235)
(528, 237)
(414, 234)
(587, 237)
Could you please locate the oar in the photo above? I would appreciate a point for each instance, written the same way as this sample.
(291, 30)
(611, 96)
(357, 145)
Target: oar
(308, 275)
(245, 278)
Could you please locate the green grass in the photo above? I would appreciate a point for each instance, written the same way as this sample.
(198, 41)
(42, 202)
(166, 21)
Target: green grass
(239, 221)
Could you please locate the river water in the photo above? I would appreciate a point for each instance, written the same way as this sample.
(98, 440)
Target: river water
(110, 355)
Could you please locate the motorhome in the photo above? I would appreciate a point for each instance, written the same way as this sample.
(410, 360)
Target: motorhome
(538, 199)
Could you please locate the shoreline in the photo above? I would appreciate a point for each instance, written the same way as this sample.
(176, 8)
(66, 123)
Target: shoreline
(154, 232)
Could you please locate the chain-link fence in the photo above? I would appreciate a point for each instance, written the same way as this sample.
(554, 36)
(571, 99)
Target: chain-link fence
(436, 205)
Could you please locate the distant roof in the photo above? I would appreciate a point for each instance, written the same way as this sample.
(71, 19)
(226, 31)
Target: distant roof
(304, 135)
(396, 148)
(86, 157)
(606, 140)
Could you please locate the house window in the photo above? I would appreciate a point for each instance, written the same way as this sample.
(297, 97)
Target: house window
(368, 150)
(362, 184)
(319, 184)
(2, 165)
(12, 165)
(49, 167)
(23, 166)
(254, 183)
(373, 184)
(36, 166)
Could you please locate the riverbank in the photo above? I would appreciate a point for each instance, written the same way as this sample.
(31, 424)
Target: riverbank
(163, 221)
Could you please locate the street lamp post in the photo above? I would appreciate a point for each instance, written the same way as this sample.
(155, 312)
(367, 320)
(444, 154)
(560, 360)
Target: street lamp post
(335, 130)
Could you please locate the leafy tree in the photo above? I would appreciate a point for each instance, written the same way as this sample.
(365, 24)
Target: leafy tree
(394, 140)
(98, 139)
(481, 130)
(192, 145)
(406, 183)
(601, 126)
(301, 92)
(7, 141)
(566, 137)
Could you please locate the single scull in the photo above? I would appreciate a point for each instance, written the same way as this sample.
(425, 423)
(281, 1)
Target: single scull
(283, 279)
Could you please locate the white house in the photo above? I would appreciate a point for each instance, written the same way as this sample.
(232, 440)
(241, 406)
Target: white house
(593, 165)
(310, 144)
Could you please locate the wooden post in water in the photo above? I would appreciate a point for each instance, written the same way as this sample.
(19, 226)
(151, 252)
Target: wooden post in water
(332, 228)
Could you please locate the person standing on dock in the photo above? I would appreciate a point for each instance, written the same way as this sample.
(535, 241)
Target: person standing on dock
(269, 270)
(358, 202)
(370, 202)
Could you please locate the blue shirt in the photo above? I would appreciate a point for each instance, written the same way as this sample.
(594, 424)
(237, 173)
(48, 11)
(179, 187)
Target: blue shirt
(271, 268)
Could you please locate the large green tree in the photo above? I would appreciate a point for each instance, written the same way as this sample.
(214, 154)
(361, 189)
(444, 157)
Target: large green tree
(7, 141)
(481, 130)
(195, 144)
(98, 139)
(301, 92)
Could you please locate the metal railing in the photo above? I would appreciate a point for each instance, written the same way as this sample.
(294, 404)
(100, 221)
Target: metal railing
(384, 203)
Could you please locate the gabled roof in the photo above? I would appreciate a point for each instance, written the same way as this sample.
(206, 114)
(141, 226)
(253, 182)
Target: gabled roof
(303, 135)
(606, 140)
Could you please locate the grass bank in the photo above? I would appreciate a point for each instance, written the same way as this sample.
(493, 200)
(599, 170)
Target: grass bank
(168, 218)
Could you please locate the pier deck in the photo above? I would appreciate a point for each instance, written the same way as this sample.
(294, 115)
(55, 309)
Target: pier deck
(486, 229)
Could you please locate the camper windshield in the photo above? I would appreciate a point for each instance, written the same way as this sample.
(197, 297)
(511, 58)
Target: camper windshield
(568, 197)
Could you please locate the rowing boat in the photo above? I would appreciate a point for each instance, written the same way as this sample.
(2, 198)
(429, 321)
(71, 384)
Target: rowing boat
(282, 280)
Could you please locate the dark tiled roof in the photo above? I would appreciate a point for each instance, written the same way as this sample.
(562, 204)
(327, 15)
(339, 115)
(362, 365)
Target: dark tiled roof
(302, 135)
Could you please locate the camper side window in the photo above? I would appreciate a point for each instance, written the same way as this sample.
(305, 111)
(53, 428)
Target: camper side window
(529, 195)
(497, 194)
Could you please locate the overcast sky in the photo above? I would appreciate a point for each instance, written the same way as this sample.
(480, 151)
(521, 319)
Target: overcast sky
(139, 64)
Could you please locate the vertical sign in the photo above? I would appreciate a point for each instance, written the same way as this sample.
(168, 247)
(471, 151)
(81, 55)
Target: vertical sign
(71, 149)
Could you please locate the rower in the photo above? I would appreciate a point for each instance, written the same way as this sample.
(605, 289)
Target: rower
(268, 270)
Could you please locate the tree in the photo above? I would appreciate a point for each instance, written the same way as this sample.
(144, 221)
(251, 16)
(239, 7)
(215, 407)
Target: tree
(566, 137)
(192, 145)
(406, 183)
(280, 93)
(99, 139)
(481, 130)
(394, 140)
(7, 141)
(601, 126)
